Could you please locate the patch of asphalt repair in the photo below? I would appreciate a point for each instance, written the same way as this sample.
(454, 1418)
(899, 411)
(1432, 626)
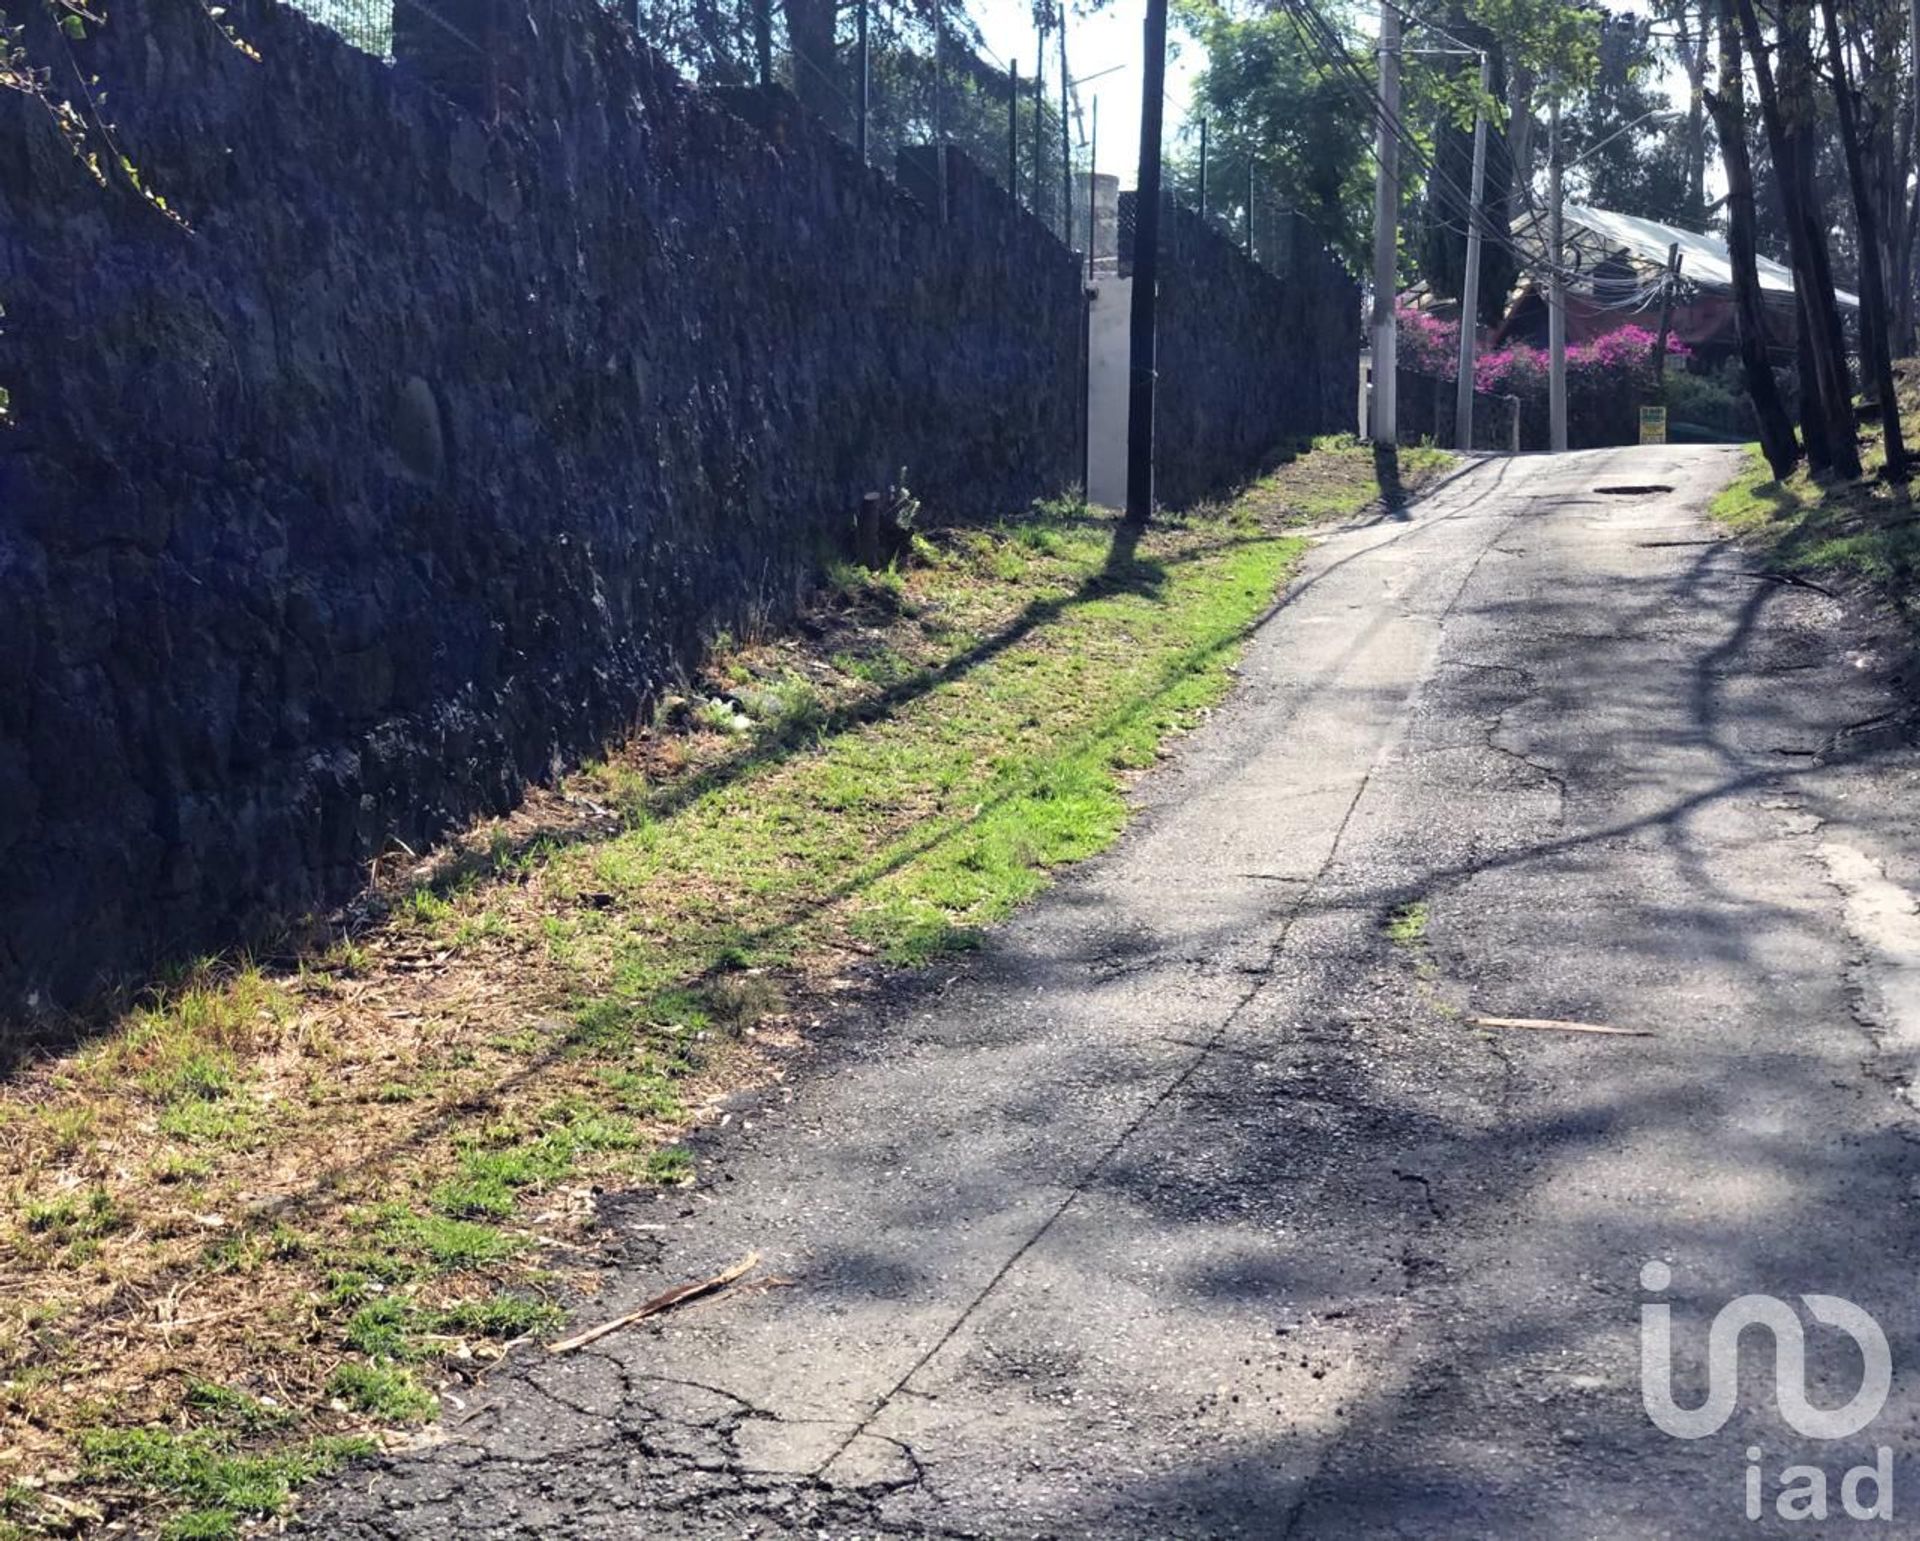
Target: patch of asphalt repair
(1195, 1206)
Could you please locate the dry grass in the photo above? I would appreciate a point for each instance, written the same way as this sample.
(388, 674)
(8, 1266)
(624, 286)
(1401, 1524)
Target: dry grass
(272, 1210)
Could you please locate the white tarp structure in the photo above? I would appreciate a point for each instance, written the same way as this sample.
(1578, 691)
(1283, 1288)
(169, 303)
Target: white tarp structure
(1591, 235)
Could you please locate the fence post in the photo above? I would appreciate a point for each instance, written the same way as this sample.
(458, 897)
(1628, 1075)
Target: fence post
(1203, 168)
(1013, 127)
(860, 105)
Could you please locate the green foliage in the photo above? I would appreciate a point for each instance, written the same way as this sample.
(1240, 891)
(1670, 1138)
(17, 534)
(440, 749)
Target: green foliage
(448, 1243)
(1407, 924)
(1276, 102)
(386, 1391)
(235, 1409)
(221, 1483)
(1718, 402)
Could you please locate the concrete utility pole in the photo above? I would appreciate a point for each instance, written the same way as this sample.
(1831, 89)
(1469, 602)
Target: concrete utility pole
(1556, 284)
(1470, 280)
(1146, 264)
(1386, 229)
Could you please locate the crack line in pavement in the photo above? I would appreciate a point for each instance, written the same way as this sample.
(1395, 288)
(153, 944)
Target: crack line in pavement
(1212, 1043)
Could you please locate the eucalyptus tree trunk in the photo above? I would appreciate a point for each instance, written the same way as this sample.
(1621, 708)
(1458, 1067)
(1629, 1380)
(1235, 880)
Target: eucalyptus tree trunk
(1826, 405)
(1728, 107)
(1876, 338)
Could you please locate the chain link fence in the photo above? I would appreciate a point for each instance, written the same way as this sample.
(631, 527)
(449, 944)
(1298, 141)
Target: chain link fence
(928, 76)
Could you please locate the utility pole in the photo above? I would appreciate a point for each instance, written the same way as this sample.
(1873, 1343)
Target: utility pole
(1386, 228)
(1556, 284)
(865, 93)
(1203, 161)
(1668, 285)
(1013, 125)
(1146, 254)
(1470, 280)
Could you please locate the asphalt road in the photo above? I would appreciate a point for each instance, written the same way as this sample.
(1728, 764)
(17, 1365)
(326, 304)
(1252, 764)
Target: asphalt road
(1198, 1205)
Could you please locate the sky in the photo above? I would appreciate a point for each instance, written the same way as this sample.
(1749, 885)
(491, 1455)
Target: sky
(1107, 40)
(1107, 44)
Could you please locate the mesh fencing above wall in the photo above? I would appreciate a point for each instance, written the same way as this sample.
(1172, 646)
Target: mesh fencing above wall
(929, 76)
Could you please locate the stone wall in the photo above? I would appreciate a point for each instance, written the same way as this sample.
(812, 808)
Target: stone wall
(432, 445)
(1248, 359)
(1425, 409)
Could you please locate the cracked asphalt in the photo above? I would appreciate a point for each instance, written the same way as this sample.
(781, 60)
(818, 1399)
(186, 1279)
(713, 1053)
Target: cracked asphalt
(1196, 1205)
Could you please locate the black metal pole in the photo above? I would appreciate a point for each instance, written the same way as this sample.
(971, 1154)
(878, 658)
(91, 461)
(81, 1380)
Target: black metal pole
(1013, 130)
(866, 78)
(940, 104)
(1040, 127)
(1249, 207)
(1066, 140)
(1203, 168)
(1146, 255)
(763, 39)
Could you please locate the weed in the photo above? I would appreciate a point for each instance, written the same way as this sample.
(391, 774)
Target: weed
(1407, 923)
(386, 1391)
(423, 907)
(670, 1167)
(176, 1167)
(445, 1242)
(720, 716)
(204, 1075)
(206, 1470)
(500, 1316)
(69, 1126)
(236, 1409)
(603, 1026)
(69, 1219)
(224, 1122)
(647, 1095)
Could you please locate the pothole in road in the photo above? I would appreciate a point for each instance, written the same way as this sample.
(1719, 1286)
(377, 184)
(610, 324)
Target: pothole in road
(1645, 490)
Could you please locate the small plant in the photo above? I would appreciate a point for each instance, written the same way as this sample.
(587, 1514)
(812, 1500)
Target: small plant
(203, 1468)
(1407, 924)
(70, 1219)
(671, 1167)
(423, 907)
(208, 1123)
(386, 1391)
(236, 1409)
(719, 715)
(445, 1242)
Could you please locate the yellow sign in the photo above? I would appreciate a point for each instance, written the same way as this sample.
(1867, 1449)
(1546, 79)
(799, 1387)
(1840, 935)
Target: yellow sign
(1653, 425)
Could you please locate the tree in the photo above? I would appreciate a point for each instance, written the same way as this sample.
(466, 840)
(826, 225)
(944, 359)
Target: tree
(1275, 100)
(1728, 107)
(1443, 245)
(1787, 108)
(1875, 338)
(1629, 161)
